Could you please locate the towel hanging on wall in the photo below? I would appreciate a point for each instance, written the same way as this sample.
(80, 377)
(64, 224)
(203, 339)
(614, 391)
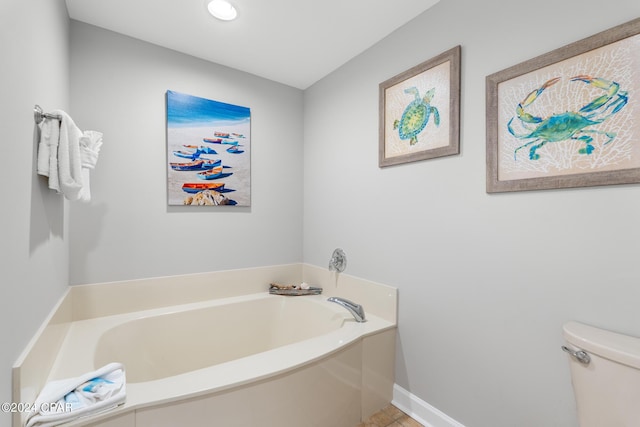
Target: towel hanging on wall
(90, 144)
(66, 154)
(48, 152)
(69, 161)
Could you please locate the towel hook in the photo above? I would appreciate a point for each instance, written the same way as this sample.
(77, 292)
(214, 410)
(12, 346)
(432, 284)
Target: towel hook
(39, 115)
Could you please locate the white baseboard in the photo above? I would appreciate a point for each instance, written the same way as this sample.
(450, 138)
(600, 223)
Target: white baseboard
(420, 410)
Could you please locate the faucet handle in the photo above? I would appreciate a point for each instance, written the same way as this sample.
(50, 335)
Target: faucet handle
(338, 261)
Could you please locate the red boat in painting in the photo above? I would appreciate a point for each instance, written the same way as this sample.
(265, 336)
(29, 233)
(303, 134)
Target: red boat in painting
(221, 134)
(196, 187)
(213, 140)
(196, 165)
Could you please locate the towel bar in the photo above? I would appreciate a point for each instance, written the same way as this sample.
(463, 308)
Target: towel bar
(39, 115)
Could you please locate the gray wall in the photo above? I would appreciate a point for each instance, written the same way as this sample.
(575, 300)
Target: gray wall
(127, 231)
(485, 281)
(34, 249)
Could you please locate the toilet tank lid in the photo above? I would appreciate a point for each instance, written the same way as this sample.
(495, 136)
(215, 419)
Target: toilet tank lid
(610, 345)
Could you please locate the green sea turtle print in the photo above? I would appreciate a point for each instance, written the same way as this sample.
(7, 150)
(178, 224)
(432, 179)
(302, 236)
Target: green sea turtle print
(416, 116)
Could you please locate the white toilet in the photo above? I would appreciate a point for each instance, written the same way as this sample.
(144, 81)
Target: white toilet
(605, 372)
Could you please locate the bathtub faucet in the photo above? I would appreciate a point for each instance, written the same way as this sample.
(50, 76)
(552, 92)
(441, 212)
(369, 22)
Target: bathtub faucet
(356, 309)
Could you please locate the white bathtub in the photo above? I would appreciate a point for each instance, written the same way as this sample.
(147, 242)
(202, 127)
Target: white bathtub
(254, 359)
(176, 342)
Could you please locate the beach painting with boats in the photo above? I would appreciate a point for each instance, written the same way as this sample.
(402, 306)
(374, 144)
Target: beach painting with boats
(208, 152)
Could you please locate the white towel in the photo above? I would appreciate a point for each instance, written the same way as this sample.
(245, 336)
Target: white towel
(48, 151)
(65, 400)
(69, 160)
(90, 144)
(44, 131)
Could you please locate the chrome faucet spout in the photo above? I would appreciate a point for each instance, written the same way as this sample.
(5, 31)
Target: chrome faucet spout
(355, 309)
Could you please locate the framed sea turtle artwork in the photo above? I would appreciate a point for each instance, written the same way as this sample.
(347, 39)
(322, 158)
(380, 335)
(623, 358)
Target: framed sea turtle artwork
(568, 118)
(208, 152)
(419, 111)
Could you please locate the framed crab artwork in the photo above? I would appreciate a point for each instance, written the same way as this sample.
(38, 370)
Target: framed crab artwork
(420, 111)
(568, 118)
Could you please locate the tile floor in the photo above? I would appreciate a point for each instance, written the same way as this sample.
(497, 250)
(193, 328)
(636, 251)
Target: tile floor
(390, 416)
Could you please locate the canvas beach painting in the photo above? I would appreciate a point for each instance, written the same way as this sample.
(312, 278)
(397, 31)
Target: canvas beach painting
(568, 118)
(208, 152)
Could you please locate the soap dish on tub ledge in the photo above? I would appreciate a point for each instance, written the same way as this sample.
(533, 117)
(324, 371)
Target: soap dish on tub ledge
(293, 290)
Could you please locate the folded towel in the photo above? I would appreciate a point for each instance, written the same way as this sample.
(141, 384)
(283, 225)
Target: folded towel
(65, 400)
(48, 152)
(69, 161)
(90, 144)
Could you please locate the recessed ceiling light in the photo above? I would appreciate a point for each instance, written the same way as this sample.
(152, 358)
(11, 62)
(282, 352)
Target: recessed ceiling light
(222, 9)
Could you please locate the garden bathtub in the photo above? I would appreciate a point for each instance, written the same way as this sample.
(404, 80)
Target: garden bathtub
(256, 359)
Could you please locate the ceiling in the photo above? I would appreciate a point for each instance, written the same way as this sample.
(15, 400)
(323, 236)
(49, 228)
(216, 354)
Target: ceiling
(294, 42)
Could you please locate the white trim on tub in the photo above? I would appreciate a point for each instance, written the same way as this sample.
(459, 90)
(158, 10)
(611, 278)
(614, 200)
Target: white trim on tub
(420, 410)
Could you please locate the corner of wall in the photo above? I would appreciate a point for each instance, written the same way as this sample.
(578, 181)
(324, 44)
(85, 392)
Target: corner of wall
(376, 298)
(420, 410)
(31, 370)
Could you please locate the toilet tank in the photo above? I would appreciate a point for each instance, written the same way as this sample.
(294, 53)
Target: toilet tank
(607, 388)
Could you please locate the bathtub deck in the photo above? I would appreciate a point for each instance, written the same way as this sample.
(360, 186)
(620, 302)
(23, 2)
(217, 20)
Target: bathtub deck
(390, 417)
(66, 344)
